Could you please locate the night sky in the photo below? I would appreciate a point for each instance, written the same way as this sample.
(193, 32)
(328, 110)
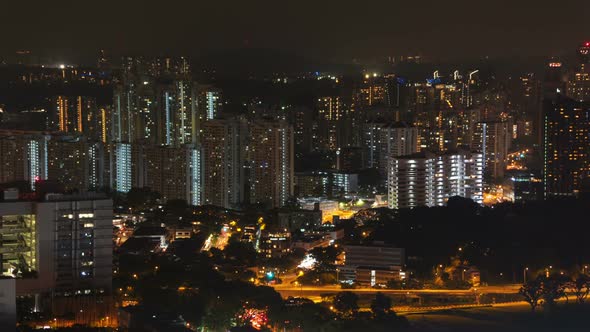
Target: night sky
(318, 28)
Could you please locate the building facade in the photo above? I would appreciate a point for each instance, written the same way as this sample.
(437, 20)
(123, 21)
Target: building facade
(428, 179)
(66, 240)
(566, 139)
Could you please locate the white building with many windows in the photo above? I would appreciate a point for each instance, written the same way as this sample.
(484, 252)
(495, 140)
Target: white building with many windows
(428, 179)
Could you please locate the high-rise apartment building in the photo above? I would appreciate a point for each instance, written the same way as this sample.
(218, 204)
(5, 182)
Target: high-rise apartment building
(23, 157)
(428, 179)
(155, 102)
(270, 161)
(177, 120)
(331, 124)
(174, 172)
(74, 161)
(75, 114)
(396, 139)
(223, 143)
(493, 139)
(209, 102)
(578, 85)
(566, 140)
(371, 141)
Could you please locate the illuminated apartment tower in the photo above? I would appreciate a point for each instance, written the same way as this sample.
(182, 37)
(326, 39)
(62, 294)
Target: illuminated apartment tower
(578, 85)
(174, 172)
(397, 139)
(75, 114)
(372, 91)
(23, 157)
(75, 162)
(223, 146)
(270, 156)
(123, 166)
(428, 179)
(566, 141)
(13, 157)
(492, 139)
(371, 139)
(177, 114)
(155, 106)
(330, 112)
(209, 102)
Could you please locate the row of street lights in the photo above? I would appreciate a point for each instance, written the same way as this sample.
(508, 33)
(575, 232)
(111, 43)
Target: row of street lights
(548, 272)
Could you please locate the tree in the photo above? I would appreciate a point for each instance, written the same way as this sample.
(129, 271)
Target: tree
(240, 253)
(325, 258)
(532, 292)
(346, 303)
(381, 305)
(581, 287)
(141, 198)
(176, 207)
(553, 289)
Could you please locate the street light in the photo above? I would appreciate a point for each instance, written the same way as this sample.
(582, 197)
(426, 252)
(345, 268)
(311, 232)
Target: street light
(524, 274)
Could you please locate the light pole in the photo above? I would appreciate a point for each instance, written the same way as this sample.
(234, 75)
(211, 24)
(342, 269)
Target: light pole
(524, 274)
(463, 274)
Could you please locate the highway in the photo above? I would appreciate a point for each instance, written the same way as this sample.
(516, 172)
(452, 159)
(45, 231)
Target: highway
(314, 292)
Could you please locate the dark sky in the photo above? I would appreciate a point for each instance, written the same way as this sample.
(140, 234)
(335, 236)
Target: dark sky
(319, 28)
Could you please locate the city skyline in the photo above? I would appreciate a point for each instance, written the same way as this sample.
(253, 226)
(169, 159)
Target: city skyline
(329, 172)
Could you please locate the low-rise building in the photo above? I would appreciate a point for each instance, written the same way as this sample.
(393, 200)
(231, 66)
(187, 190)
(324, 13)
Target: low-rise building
(328, 207)
(344, 183)
(153, 232)
(312, 241)
(275, 243)
(370, 257)
(377, 276)
(299, 219)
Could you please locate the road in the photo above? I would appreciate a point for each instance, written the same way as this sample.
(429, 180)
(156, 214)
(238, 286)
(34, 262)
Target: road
(314, 292)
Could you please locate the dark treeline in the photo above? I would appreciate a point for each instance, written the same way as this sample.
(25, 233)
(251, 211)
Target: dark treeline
(502, 239)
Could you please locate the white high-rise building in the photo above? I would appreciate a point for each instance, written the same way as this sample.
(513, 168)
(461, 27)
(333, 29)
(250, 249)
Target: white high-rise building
(397, 139)
(492, 139)
(123, 167)
(428, 179)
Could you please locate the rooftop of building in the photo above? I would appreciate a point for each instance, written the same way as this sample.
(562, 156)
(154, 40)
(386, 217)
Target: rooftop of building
(399, 124)
(430, 154)
(375, 244)
(137, 245)
(149, 231)
(378, 268)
